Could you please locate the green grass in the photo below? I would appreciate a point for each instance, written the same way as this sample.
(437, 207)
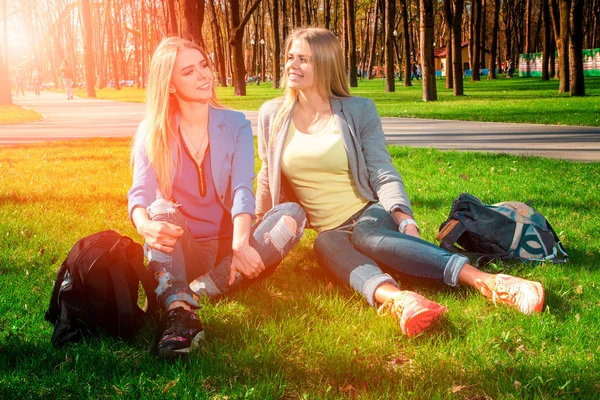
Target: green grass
(518, 100)
(14, 114)
(297, 335)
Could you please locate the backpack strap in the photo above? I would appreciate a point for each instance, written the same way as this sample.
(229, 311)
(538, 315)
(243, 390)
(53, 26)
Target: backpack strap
(118, 260)
(559, 245)
(449, 234)
(53, 310)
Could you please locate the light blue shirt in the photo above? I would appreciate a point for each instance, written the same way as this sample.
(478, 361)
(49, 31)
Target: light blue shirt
(231, 161)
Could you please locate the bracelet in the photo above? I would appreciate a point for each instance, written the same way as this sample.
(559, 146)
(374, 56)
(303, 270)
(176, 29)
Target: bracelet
(405, 223)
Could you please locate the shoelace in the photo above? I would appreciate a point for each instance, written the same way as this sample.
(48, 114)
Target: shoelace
(394, 305)
(175, 323)
(501, 292)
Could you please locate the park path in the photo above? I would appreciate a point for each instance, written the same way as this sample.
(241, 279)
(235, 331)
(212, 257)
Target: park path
(82, 117)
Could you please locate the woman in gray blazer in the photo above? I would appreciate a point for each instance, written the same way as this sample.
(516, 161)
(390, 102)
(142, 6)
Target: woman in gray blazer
(325, 149)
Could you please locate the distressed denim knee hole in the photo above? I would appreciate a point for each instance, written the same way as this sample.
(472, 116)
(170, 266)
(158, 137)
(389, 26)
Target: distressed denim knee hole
(164, 282)
(282, 233)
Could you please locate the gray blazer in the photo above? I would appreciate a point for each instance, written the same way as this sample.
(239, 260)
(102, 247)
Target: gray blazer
(363, 138)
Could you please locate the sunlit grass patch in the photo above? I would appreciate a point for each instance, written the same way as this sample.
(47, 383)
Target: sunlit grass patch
(297, 333)
(14, 114)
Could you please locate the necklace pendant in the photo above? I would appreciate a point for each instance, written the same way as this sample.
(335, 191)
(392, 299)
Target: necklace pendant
(197, 155)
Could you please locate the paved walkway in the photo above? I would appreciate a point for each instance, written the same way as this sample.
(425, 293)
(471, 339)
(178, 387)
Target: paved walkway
(78, 118)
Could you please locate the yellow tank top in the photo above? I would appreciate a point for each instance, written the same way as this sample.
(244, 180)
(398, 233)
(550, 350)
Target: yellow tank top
(317, 168)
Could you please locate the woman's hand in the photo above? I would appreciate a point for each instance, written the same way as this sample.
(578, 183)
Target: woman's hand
(247, 261)
(160, 235)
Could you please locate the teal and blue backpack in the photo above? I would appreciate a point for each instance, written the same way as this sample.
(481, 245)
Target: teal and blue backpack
(505, 231)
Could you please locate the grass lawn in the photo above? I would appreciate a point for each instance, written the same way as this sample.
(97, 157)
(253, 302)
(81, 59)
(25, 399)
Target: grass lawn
(14, 114)
(297, 335)
(519, 100)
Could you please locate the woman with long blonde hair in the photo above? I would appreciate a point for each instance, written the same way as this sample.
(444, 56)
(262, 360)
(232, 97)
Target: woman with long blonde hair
(326, 149)
(192, 194)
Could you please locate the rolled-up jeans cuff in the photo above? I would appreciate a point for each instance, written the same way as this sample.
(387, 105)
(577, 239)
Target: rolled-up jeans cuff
(373, 283)
(181, 297)
(453, 267)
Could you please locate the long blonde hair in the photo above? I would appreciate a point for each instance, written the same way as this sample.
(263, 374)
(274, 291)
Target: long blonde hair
(157, 132)
(330, 73)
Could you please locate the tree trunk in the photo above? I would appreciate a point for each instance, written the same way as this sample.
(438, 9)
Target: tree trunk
(575, 49)
(111, 45)
(527, 25)
(547, 40)
(482, 36)
(476, 10)
(351, 28)
(284, 19)
(447, 13)
(327, 13)
(5, 92)
(173, 17)
(427, 60)
(406, 38)
(457, 62)
(88, 51)
(374, 41)
(191, 28)
(297, 14)
(390, 17)
(560, 21)
(218, 45)
(236, 39)
(494, 43)
(276, 45)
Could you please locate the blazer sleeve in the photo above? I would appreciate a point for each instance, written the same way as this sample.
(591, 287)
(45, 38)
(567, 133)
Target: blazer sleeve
(242, 172)
(144, 188)
(263, 193)
(383, 176)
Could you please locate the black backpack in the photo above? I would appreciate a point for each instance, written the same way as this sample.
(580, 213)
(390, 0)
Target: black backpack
(96, 289)
(504, 231)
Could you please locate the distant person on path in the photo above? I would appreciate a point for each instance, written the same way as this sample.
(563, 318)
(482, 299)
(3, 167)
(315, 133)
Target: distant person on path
(35, 77)
(20, 82)
(326, 149)
(67, 75)
(192, 196)
(511, 69)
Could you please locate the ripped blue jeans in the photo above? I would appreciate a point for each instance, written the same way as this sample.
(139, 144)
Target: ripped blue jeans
(208, 262)
(359, 251)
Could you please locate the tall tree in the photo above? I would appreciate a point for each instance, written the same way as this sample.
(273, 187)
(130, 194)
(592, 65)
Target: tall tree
(447, 13)
(5, 92)
(406, 47)
(527, 26)
(192, 13)
(576, 49)
(327, 13)
(458, 89)
(547, 48)
(494, 39)
(236, 38)
(427, 61)
(276, 45)
(559, 12)
(218, 44)
(88, 51)
(111, 44)
(351, 29)
(476, 40)
(390, 18)
(297, 14)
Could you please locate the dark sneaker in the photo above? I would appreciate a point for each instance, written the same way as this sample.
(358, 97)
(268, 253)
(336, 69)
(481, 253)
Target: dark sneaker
(183, 331)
